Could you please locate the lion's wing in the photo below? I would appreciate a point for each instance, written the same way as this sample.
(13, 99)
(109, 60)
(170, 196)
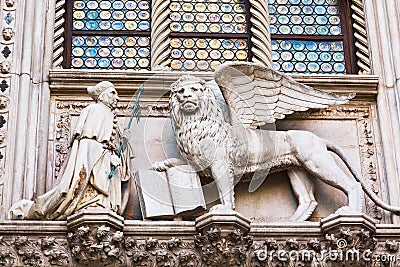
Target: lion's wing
(258, 95)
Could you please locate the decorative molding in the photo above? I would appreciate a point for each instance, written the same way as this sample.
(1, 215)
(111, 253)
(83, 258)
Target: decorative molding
(360, 36)
(7, 41)
(59, 30)
(160, 42)
(261, 36)
(4, 102)
(368, 165)
(334, 113)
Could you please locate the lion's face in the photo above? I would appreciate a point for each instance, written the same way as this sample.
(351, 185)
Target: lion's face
(188, 96)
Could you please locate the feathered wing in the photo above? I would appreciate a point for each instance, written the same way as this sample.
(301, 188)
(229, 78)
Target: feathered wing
(258, 95)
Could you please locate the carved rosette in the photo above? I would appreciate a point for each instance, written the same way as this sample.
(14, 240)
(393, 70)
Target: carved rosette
(360, 36)
(160, 42)
(261, 36)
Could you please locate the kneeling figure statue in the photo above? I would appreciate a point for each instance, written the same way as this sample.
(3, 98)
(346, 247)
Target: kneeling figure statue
(85, 179)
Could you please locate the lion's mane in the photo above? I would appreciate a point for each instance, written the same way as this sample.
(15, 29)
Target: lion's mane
(207, 123)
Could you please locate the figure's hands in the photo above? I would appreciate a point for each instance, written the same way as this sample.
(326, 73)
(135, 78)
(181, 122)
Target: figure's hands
(115, 160)
(126, 134)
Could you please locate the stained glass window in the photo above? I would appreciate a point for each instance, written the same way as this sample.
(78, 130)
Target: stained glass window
(308, 36)
(109, 35)
(205, 34)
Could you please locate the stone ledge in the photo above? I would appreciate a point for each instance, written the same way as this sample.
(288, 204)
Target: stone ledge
(11, 227)
(74, 82)
(184, 228)
(145, 229)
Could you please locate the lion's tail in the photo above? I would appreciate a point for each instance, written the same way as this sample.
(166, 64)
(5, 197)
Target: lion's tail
(357, 175)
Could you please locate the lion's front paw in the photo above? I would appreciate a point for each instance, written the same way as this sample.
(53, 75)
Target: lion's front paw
(160, 166)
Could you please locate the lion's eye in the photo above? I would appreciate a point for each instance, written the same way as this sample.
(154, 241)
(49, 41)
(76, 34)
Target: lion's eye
(195, 89)
(180, 91)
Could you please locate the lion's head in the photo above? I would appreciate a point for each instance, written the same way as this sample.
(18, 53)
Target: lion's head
(196, 118)
(192, 98)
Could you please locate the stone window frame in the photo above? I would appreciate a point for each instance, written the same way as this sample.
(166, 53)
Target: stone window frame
(260, 34)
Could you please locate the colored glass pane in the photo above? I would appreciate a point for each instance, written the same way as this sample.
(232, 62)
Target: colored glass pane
(313, 16)
(301, 56)
(206, 54)
(222, 16)
(111, 15)
(110, 47)
(110, 52)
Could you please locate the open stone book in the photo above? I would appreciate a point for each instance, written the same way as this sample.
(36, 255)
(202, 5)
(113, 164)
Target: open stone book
(176, 192)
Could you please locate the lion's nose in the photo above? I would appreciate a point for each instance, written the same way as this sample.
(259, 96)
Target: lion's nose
(187, 93)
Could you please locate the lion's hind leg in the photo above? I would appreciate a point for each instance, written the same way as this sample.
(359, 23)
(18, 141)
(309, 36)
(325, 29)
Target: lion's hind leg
(303, 189)
(312, 153)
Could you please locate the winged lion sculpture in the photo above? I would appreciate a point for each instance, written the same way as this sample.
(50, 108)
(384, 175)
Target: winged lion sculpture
(228, 145)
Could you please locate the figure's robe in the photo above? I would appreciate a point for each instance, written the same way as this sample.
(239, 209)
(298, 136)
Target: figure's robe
(84, 180)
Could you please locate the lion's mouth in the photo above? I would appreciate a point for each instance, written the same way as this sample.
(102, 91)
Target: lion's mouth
(189, 105)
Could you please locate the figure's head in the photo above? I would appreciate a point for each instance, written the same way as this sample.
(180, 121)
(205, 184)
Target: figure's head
(105, 93)
(188, 91)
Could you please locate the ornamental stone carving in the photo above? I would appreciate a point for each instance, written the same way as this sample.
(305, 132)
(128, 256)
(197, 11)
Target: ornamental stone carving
(96, 246)
(4, 101)
(219, 249)
(10, 3)
(5, 66)
(8, 33)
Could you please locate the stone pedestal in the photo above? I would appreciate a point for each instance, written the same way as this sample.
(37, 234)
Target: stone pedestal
(222, 238)
(95, 236)
(94, 217)
(334, 223)
(224, 219)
